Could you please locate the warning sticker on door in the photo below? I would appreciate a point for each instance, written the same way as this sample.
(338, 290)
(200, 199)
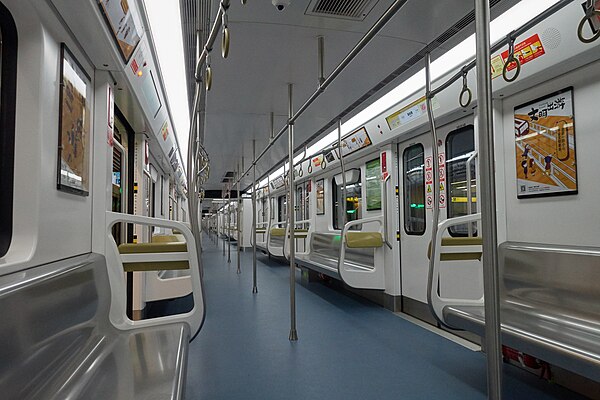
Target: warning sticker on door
(429, 182)
(526, 51)
(442, 174)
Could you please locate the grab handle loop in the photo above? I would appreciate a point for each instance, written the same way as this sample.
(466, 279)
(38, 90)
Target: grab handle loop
(511, 59)
(465, 90)
(310, 168)
(590, 13)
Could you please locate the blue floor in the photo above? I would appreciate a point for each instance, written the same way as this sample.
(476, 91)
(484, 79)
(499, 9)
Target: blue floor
(348, 348)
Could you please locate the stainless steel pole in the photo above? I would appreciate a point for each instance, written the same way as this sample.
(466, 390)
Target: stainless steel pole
(229, 228)
(237, 220)
(321, 55)
(342, 164)
(485, 126)
(436, 182)
(293, 333)
(254, 188)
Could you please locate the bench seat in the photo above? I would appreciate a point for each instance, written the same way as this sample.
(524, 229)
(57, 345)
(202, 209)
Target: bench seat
(558, 339)
(325, 251)
(57, 342)
(549, 305)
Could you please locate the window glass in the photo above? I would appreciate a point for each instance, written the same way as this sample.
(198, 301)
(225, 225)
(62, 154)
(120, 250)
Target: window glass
(299, 205)
(353, 200)
(8, 94)
(414, 190)
(373, 172)
(460, 145)
(282, 209)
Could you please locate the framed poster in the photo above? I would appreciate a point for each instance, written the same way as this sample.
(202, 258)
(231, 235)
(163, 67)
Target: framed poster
(320, 196)
(546, 161)
(373, 169)
(124, 23)
(73, 126)
(355, 141)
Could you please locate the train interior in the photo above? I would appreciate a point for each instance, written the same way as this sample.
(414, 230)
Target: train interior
(299, 199)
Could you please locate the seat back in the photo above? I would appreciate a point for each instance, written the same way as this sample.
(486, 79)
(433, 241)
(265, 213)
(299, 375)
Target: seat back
(562, 277)
(327, 245)
(52, 316)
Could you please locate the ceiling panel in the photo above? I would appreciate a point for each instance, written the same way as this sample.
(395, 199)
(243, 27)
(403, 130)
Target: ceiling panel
(270, 49)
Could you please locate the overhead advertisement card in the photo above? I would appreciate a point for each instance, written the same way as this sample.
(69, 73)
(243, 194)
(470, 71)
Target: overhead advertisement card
(123, 19)
(355, 141)
(546, 162)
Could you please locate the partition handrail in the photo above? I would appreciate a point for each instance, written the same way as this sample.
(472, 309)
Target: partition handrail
(470, 191)
(193, 318)
(379, 219)
(435, 300)
(287, 237)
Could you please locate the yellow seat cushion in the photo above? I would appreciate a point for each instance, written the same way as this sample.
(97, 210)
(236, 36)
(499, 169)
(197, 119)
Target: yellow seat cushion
(459, 241)
(277, 232)
(364, 240)
(160, 247)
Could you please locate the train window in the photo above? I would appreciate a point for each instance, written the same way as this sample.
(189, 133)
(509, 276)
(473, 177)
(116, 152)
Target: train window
(460, 145)
(299, 205)
(414, 190)
(373, 183)
(353, 198)
(282, 208)
(8, 94)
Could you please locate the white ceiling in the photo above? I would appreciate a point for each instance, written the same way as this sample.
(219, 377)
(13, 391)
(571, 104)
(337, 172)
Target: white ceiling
(270, 49)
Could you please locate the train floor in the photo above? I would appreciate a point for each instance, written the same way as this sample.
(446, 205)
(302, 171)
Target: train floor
(348, 348)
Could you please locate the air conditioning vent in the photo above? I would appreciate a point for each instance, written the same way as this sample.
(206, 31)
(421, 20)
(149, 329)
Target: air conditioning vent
(346, 9)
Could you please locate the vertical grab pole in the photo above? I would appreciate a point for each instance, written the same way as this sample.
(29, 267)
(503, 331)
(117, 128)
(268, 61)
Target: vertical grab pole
(237, 219)
(470, 191)
(254, 188)
(485, 126)
(223, 227)
(229, 226)
(436, 181)
(293, 333)
(344, 192)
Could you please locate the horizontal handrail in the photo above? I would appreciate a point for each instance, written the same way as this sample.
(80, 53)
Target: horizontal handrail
(193, 318)
(436, 302)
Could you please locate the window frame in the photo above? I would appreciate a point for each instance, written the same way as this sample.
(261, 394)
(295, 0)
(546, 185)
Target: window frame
(452, 230)
(8, 105)
(334, 190)
(405, 213)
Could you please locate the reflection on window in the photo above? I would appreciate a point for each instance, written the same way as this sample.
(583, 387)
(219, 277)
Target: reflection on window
(353, 199)
(282, 209)
(414, 190)
(460, 145)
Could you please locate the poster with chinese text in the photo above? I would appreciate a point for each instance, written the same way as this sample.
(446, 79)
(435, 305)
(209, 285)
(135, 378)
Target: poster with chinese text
(546, 162)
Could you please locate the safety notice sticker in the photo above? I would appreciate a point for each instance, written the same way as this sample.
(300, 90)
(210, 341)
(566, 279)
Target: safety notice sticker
(526, 51)
(442, 174)
(429, 182)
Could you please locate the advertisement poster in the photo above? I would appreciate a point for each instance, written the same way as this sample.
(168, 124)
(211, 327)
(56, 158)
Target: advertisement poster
(74, 126)
(546, 160)
(373, 185)
(320, 196)
(526, 51)
(123, 19)
(355, 141)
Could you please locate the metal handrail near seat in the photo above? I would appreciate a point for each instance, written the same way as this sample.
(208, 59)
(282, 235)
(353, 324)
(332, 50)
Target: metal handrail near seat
(436, 301)
(193, 318)
(371, 278)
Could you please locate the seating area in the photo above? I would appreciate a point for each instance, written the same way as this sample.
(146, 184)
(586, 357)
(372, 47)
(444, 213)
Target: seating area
(62, 341)
(325, 250)
(549, 305)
